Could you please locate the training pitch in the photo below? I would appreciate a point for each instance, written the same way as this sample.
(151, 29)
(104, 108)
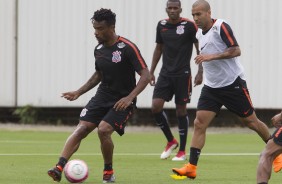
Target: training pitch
(230, 156)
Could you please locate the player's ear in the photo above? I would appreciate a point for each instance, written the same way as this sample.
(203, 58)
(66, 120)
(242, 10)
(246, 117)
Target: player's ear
(180, 10)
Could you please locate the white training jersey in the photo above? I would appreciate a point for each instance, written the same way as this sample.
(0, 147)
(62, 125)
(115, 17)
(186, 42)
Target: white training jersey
(223, 72)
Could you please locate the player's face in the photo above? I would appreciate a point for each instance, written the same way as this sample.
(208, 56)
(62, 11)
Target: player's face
(102, 31)
(173, 10)
(201, 16)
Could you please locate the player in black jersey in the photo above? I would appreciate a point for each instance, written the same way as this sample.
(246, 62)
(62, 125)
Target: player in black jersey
(270, 152)
(174, 42)
(116, 61)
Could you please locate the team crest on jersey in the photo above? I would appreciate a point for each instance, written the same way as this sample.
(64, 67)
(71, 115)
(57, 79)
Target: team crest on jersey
(116, 56)
(180, 29)
(163, 22)
(83, 112)
(121, 45)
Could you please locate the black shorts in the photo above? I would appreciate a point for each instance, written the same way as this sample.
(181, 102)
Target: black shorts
(100, 107)
(180, 86)
(277, 136)
(234, 97)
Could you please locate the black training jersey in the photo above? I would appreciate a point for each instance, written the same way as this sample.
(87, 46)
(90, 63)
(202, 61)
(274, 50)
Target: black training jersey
(177, 40)
(118, 64)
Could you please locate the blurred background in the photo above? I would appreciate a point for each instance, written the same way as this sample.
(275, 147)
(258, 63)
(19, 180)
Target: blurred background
(46, 48)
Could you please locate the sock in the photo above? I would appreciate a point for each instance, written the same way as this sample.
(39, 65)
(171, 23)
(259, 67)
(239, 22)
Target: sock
(194, 155)
(262, 183)
(183, 123)
(161, 121)
(108, 167)
(62, 162)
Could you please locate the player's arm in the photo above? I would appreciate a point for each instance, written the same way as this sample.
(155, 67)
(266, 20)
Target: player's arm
(199, 76)
(277, 120)
(233, 49)
(156, 57)
(144, 79)
(91, 83)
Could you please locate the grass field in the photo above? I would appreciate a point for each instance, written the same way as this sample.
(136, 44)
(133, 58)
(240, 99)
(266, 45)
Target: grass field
(227, 158)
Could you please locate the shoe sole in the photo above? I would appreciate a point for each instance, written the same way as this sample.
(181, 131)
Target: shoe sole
(191, 177)
(53, 176)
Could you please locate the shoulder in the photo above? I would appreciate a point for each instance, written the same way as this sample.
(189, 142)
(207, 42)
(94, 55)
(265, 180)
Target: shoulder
(189, 23)
(125, 43)
(162, 22)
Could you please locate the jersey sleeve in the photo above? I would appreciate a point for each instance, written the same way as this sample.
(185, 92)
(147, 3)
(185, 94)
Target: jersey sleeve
(227, 35)
(96, 66)
(158, 34)
(134, 56)
(195, 29)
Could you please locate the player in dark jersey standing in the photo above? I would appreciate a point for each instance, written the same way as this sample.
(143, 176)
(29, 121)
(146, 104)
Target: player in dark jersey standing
(270, 152)
(174, 42)
(224, 81)
(116, 61)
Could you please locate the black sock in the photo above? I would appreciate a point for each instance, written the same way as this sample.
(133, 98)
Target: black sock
(161, 121)
(262, 183)
(183, 123)
(194, 155)
(108, 167)
(62, 162)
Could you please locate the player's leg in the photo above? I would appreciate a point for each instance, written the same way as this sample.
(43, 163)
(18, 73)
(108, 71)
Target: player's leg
(112, 121)
(258, 126)
(237, 99)
(208, 107)
(183, 90)
(202, 121)
(271, 151)
(162, 92)
(105, 131)
(70, 147)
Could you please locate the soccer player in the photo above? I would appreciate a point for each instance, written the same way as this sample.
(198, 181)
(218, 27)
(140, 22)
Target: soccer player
(224, 84)
(174, 42)
(116, 61)
(271, 150)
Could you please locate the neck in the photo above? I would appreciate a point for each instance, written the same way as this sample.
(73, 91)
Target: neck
(174, 21)
(112, 40)
(209, 25)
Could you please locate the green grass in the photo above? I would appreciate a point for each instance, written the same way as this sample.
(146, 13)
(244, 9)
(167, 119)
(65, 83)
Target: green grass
(25, 157)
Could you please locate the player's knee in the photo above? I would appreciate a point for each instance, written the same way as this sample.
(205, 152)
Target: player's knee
(105, 130)
(198, 124)
(156, 108)
(81, 132)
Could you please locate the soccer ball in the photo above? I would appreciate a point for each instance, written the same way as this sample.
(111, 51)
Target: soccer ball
(76, 171)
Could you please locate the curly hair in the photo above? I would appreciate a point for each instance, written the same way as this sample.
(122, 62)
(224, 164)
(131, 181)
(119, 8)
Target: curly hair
(104, 15)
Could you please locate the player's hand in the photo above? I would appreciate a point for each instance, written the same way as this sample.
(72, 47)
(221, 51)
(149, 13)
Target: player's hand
(152, 80)
(277, 120)
(198, 79)
(72, 95)
(122, 104)
(202, 58)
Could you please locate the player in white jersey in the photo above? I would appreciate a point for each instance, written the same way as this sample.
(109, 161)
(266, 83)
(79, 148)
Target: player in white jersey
(225, 84)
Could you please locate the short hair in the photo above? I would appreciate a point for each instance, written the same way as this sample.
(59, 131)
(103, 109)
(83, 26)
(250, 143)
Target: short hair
(205, 4)
(104, 15)
(174, 1)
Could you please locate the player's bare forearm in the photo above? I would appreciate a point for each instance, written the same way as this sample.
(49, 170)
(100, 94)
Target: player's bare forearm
(141, 84)
(91, 83)
(123, 103)
(156, 57)
(230, 52)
